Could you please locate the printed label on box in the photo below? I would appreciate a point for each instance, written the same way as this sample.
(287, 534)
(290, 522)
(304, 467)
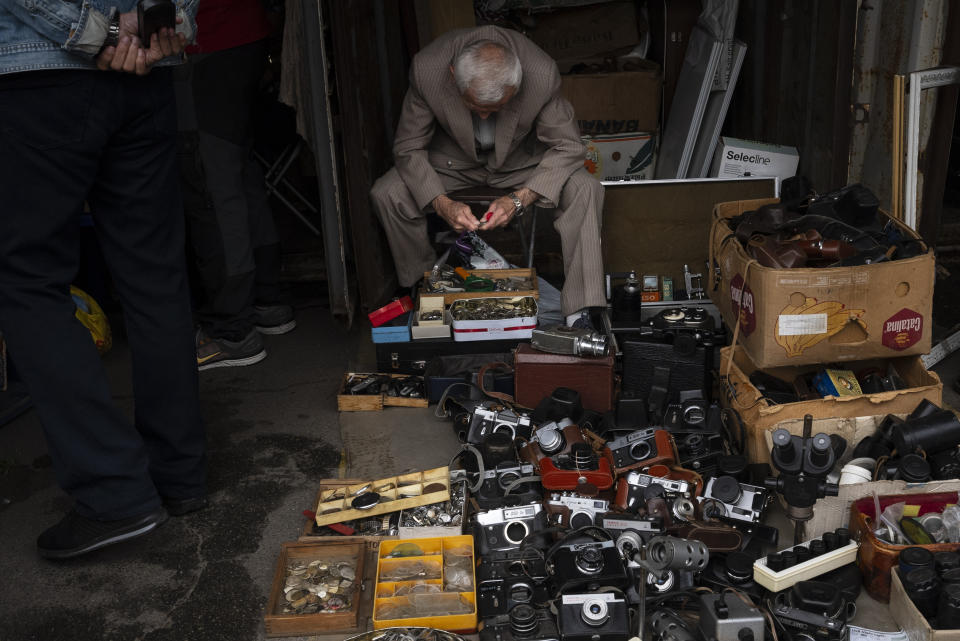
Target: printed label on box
(903, 329)
(741, 298)
(802, 324)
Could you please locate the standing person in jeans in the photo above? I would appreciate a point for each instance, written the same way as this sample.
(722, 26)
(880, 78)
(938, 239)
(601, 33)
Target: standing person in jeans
(235, 241)
(87, 114)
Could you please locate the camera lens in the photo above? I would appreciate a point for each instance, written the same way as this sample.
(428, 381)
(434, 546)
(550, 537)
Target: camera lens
(843, 536)
(948, 614)
(726, 489)
(506, 478)
(817, 547)
(505, 428)
(594, 612)
(789, 558)
(803, 554)
(523, 620)
(497, 448)
(694, 414)
(775, 562)
(551, 440)
(831, 540)
(923, 587)
(515, 532)
(732, 465)
(914, 558)
(521, 593)
(944, 561)
(739, 567)
(589, 560)
(580, 519)
(583, 456)
(950, 576)
(640, 451)
(913, 468)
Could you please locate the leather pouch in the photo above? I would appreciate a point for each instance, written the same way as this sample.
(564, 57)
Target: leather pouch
(876, 558)
(538, 374)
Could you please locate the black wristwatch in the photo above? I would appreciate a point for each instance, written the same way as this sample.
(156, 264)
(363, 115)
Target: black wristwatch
(517, 203)
(113, 30)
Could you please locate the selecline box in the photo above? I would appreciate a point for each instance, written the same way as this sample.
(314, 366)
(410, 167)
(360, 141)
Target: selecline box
(736, 158)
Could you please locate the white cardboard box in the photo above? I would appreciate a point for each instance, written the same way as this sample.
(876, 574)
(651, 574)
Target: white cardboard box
(430, 329)
(624, 156)
(736, 158)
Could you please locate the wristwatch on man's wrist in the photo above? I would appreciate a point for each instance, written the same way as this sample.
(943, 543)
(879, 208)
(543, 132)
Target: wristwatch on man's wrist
(113, 30)
(517, 203)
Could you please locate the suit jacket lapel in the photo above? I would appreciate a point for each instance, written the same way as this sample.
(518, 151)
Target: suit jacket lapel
(507, 119)
(459, 122)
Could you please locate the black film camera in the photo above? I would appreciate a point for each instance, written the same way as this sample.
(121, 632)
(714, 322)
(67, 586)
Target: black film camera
(488, 418)
(813, 610)
(584, 566)
(507, 581)
(593, 617)
(503, 529)
(492, 492)
(522, 622)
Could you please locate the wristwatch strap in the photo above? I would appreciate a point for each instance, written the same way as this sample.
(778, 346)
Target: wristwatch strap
(113, 30)
(517, 203)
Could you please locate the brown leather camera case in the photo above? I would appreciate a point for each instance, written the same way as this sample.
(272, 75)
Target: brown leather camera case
(539, 373)
(876, 558)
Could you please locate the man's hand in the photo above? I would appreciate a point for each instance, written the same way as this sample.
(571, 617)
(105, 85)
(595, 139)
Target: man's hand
(130, 57)
(458, 215)
(503, 209)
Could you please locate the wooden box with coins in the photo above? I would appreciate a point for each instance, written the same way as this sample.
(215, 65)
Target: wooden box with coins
(481, 283)
(316, 589)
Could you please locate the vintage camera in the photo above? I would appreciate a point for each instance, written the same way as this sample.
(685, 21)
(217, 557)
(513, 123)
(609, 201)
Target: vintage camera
(640, 448)
(813, 610)
(508, 580)
(522, 622)
(732, 570)
(683, 319)
(635, 490)
(586, 565)
(488, 418)
(564, 459)
(593, 617)
(574, 341)
(724, 496)
(644, 527)
(503, 529)
(725, 617)
(492, 492)
(571, 511)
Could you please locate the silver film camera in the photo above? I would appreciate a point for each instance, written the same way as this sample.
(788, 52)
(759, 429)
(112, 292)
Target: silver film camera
(725, 496)
(575, 341)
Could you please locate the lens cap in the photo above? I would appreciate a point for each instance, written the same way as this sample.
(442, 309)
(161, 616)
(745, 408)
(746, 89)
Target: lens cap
(913, 558)
(914, 468)
(365, 501)
(726, 489)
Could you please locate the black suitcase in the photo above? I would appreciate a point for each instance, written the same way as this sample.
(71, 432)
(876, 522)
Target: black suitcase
(412, 357)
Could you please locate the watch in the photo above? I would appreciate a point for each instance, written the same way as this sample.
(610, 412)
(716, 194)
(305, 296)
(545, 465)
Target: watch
(517, 203)
(113, 30)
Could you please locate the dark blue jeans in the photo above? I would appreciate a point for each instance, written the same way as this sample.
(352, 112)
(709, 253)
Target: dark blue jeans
(106, 138)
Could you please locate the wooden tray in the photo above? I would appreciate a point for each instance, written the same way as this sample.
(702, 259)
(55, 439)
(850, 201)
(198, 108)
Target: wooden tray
(290, 625)
(308, 535)
(414, 484)
(374, 402)
(488, 273)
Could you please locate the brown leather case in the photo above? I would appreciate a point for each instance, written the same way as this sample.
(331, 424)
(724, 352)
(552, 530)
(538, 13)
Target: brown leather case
(539, 373)
(876, 558)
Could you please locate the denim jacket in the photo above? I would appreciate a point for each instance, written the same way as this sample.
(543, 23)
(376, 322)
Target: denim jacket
(66, 34)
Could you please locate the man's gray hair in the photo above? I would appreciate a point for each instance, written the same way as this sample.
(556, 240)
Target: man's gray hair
(488, 69)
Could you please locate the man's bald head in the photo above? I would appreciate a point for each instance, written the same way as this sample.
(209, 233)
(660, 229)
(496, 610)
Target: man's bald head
(487, 72)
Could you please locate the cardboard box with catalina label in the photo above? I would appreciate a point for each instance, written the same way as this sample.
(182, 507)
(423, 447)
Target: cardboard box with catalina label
(820, 315)
(736, 158)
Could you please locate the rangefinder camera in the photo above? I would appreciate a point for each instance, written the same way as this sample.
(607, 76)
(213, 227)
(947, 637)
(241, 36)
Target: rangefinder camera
(505, 528)
(487, 419)
(574, 512)
(641, 448)
(593, 617)
(724, 496)
(493, 490)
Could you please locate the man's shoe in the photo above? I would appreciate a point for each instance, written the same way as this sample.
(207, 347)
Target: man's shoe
(219, 352)
(179, 507)
(75, 535)
(274, 319)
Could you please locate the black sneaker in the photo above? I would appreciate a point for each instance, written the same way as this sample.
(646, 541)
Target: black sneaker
(179, 507)
(274, 319)
(75, 535)
(219, 352)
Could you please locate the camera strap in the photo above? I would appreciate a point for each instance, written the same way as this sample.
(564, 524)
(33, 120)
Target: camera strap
(481, 379)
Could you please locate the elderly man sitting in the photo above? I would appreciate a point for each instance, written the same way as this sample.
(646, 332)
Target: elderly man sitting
(484, 108)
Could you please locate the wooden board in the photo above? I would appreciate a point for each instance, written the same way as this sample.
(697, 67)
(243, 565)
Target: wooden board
(334, 503)
(374, 402)
(278, 624)
(449, 297)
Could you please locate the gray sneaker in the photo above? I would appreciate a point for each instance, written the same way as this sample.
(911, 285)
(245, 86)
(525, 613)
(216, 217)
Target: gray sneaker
(219, 352)
(274, 319)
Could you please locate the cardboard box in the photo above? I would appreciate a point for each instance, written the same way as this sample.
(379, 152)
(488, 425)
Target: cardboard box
(760, 416)
(820, 315)
(615, 103)
(574, 34)
(908, 617)
(430, 328)
(347, 402)
(834, 511)
(621, 156)
(735, 158)
(396, 330)
(390, 311)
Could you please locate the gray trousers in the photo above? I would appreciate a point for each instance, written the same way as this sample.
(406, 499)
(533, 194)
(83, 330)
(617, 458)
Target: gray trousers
(577, 219)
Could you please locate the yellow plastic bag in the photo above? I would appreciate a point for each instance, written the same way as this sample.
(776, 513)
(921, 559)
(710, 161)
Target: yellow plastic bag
(93, 318)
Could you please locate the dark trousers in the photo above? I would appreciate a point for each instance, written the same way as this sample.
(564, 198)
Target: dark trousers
(109, 139)
(235, 240)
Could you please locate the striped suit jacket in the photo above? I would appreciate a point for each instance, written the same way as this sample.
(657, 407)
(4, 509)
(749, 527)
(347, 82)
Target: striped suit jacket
(535, 130)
